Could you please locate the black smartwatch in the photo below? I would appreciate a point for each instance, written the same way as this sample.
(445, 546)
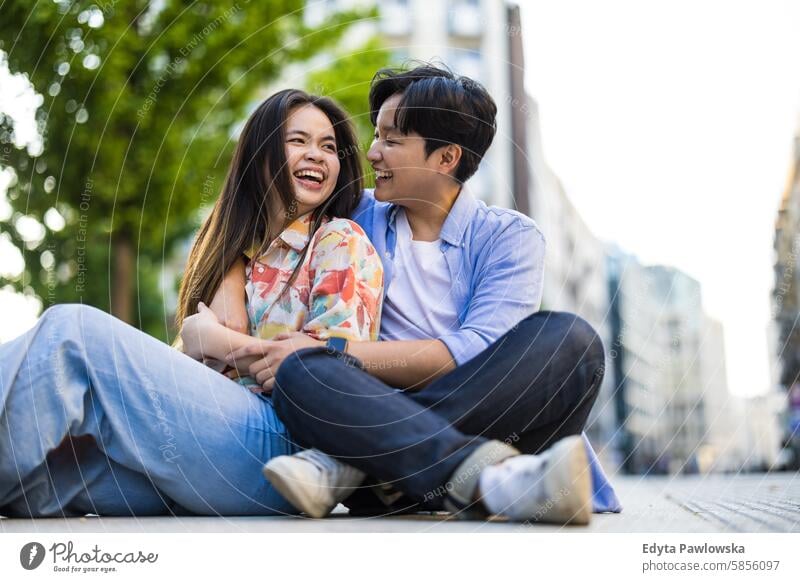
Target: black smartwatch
(336, 344)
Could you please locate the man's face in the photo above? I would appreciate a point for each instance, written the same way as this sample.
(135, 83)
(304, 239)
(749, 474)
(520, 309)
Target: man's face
(403, 173)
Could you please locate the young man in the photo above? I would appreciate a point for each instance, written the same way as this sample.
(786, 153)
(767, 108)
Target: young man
(477, 367)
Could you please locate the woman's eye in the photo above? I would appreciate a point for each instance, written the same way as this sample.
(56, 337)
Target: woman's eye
(295, 140)
(330, 147)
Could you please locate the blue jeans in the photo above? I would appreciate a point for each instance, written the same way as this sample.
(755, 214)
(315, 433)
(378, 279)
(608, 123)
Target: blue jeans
(533, 386)
(98, 417)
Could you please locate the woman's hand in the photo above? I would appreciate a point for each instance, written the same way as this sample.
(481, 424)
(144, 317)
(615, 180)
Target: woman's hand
(196, 331)
(271, 354)
(228, 303)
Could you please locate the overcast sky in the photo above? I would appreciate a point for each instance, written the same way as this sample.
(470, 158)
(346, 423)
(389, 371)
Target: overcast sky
(671, 125)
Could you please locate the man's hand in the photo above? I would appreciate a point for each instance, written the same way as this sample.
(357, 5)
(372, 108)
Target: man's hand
(271, 354)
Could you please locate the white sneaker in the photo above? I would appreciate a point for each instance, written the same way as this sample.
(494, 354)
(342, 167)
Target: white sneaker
(312, 481)
(553, 486)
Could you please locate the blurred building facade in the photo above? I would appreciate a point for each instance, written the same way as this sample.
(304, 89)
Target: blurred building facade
(785, 324)
(726, 442)
(656, 317)
(763, 433)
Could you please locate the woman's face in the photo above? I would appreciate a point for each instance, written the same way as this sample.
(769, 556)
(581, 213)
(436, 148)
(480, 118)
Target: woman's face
(312, 156)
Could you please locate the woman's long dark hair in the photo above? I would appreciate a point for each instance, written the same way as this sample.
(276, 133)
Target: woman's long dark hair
(244, 214)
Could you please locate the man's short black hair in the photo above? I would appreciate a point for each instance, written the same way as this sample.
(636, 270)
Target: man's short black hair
(441, 107)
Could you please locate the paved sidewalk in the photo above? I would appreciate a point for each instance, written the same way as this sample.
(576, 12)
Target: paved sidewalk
(718, 503)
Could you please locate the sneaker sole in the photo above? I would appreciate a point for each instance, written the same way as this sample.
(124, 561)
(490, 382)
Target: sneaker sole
(286, 482)
(571, 481)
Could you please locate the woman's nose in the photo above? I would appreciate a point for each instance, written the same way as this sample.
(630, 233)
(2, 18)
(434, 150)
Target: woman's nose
(313, 153)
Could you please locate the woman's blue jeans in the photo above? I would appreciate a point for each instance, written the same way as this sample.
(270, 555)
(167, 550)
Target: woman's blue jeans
(98, 417)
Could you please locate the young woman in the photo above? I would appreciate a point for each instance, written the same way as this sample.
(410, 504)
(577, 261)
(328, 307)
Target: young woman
(305, 269)
(99, 417)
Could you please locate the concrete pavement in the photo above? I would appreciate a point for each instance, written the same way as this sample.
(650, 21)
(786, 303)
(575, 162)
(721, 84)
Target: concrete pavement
(705, 503)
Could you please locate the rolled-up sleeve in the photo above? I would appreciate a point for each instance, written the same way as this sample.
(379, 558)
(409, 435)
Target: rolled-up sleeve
(506, 289)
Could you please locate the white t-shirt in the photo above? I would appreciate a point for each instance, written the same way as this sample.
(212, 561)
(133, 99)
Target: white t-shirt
(419, 304)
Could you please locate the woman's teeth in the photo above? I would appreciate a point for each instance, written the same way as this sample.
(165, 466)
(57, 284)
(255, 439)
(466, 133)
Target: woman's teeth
(382, 174)
(310, 175)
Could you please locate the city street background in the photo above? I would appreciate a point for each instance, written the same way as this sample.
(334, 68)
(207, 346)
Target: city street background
(660, 159)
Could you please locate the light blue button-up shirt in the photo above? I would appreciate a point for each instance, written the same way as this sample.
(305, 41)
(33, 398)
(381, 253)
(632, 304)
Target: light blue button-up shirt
(496, 262)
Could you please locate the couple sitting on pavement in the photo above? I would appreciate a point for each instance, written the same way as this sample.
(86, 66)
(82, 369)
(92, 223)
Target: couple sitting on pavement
(474, 402)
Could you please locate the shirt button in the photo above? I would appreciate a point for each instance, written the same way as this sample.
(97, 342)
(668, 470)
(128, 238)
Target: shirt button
(387, 254)
(261, 269)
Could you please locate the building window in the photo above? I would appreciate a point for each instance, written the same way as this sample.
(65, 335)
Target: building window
(464, 18)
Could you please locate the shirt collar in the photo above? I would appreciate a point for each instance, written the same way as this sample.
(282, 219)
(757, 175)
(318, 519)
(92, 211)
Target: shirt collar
(296, 234)
(457, 219)
(393, 215)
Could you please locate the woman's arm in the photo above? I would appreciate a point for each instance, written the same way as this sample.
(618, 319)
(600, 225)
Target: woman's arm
(229, 302)
(204, 337)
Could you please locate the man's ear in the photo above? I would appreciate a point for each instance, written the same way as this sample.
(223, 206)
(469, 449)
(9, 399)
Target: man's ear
(449, 158)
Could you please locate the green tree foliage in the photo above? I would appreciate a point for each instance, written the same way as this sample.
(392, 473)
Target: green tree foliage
(140, 103)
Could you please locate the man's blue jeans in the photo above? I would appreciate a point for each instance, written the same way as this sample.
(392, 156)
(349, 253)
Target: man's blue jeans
(533, 386)
(98, 417)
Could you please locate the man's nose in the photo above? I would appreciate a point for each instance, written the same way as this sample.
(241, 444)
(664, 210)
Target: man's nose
(374, 154)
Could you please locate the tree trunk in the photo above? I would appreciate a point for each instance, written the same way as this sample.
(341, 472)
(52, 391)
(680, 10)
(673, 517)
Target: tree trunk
(122, 268)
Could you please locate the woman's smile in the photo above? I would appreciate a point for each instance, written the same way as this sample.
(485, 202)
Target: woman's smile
(310, 178)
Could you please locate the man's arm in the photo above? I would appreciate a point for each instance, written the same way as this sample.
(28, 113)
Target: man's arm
(410, 364)
(507, 288)
(403, 364)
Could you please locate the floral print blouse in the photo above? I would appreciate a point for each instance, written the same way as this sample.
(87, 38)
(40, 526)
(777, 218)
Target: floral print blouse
(338, 291)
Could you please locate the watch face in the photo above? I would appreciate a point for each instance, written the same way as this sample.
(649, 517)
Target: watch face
(336, 344)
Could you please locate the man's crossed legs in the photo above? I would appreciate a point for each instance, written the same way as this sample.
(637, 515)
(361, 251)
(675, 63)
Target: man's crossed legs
(533, 387)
